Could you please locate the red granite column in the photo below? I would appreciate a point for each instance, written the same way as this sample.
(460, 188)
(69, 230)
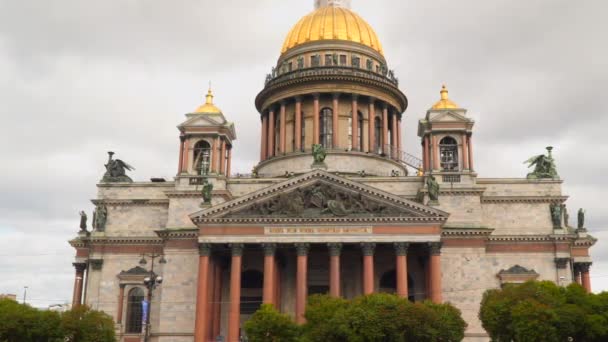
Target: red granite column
(315, 120)
(234, 316)
(465, 152)
(222, 157)
(202, 299)
(425, 153)
(301, 281)
(371, 129)
(355, 125)
(210, 294)
(277, 284)
(180, 164)
(394, 144)
(263, 145)
(121, 299)
(435, 152)
(270, 134)
(186, 156)
(335, 250)
(269, 276)
(214, 155)
(385, 128)
(401, 268)
(283, 129)
(399, 145)
(435, 271)
(78, 283)
(470, 144)
(298, 124)
(229, 161)
(585, 278)
(368, 267)
(336, 122)
(217, 298)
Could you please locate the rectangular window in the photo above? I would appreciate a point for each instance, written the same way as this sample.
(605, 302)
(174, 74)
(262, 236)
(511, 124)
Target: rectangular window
(342, 59)
(289, 66)
(327, 60)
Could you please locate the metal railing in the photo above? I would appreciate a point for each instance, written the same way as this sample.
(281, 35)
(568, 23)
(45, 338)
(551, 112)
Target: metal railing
(402, 157)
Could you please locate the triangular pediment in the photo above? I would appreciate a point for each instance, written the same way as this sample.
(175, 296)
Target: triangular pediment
(319, 196)
(204, 120)
(448, 116)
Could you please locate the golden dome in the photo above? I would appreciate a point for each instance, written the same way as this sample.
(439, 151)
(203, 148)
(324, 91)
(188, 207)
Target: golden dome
(208, 107)
(445, 102)
(332, 23)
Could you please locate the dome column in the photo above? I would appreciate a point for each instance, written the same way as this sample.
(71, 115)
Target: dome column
(470, 144)
(355, 124)
(465, 152)
(182, 139)
(270, 135)
(315, 120)
(282, 129)
(399, 146)
(336, 121)
(371, 116)
(385, 142)
(263, 146)
(229, 161)
(394, 144)
(298, 124)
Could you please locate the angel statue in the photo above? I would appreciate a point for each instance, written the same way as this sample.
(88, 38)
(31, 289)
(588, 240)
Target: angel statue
(116, 171)
(581, 219)
(544, 166)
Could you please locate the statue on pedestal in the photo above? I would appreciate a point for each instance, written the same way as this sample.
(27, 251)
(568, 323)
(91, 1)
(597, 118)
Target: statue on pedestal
(433, 188)
(319, 154)
(83, 221)
(207, 191)
(556, 215)
(581, 219)
(544, 166)
(100, 216)
(116, 171)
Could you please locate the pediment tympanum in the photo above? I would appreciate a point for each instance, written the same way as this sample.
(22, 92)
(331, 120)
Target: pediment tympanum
(319, 196)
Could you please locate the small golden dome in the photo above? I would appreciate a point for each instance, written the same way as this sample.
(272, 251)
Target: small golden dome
(445, 102)
(332, 23)
(208, 107)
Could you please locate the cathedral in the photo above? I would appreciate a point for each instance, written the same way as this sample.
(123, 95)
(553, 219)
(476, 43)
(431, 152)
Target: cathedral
(334, 205)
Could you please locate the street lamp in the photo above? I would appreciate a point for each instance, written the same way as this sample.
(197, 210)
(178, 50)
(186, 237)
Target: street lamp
(151, 282)
(24, 293)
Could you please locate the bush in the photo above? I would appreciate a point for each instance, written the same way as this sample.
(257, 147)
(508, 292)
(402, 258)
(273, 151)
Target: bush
(543, 311)
(269, 325)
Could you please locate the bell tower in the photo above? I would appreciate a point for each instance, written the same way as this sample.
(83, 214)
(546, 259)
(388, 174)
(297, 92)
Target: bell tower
(447, 147)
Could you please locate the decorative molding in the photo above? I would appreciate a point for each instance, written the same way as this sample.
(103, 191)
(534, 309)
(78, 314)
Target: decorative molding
(517, 274)
(466, 232)
(237, 249)
(181, 234)
(561, 263)
(434, 248)
(524, 199)
(131, 202)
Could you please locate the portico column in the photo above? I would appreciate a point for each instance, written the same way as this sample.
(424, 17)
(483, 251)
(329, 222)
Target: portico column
(335, 250)
(283, 130)
(298, 124)
(336, 122)
(355, 124)
(385, 128)
(368, 267)
(202, 296)
(271, 135)
(401, 268)
(301, 281)
(217, 297)
(78, 283)
(269, 276)
(263, 146)
(121, 299)
(234, 315)
(435, 271)
(180, 164)
(465, 152)
(223, 157)
(371, 123)
(315, 120)
(585, 278)
(214, 155)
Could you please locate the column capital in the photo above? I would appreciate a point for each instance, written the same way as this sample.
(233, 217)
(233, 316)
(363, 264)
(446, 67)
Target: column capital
(182, 137)
(582, 266)
(335, 96)
(372, 100)
(384, 106)
(298, 98)
(302, 248)
(204, 249)
(283, 102)
(401, 248)
(237, 249)
(269, 248)
(355, 97)
(434, 248)
(335, 249)
(368, 248)
(316, 96)
(122, 286)
(80, 266)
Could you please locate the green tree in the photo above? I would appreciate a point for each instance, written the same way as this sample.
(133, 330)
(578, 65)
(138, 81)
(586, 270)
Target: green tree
(325, 319)
(83, 324)
(269, 325)
(23, 323)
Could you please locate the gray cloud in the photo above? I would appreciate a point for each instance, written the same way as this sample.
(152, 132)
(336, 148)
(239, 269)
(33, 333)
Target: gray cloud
(81, 78)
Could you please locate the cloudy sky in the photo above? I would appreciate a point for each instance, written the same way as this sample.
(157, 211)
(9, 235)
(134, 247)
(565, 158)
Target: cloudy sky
(80, 78)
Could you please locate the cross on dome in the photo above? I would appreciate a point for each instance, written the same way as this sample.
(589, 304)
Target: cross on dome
(332, 3)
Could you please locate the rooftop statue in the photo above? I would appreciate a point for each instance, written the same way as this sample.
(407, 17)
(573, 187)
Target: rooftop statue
(544, 166)
(318, 154)
(581, 219)
(116, 171)
(433, 187)
(100, 216)
(206, 191)
(83, 221)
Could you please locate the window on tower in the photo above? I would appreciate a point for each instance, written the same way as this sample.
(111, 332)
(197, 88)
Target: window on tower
(202, 158)
(326, 127)
(448, 151)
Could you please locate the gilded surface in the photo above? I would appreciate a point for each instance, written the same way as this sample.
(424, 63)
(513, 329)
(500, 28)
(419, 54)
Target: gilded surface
(332, 23)
(445, 102)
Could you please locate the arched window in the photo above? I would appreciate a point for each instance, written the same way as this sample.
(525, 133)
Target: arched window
(252, 282)
(448, 150)
(378, 135)
(326, 127)
(134, 311)
(202, 158)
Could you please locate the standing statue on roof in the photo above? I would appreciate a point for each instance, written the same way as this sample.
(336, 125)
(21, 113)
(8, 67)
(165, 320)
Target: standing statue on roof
(544, 166)
(116, 171)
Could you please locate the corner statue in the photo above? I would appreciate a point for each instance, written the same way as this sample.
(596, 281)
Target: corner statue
(206, 192)
(544, 166)
(83, 221)
(581, 219)
(318, 154)
(116, 171)
(433, 188)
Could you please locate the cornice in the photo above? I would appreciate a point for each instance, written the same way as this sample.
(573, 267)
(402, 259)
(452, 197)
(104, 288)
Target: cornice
(462, 191)
(132, 202)
(471, 232)
(99, 241)
(585, 242)
(289, 220)
(167, 184)
(181, 234)
(517, 181)
(524, 199)
(197, 194)
(531, 238)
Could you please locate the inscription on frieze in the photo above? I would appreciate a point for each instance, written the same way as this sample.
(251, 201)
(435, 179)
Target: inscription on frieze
(325, 230)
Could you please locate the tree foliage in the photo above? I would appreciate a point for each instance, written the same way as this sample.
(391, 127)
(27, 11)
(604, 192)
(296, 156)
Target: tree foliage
(377, 318)
(543, 311)
(19, 322)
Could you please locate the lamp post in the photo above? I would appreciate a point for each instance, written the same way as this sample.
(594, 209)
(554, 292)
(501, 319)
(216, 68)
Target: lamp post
(151, 282)
(24, 293)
